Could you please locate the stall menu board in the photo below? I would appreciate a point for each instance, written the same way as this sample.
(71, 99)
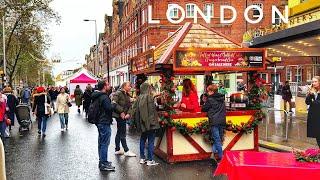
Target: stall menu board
(219, 59)
(142, 62)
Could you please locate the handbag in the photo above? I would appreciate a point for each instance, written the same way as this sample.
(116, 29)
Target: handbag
(48, 108)
(69, 104)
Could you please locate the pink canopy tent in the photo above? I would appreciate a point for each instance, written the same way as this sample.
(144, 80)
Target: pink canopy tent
(81, 78)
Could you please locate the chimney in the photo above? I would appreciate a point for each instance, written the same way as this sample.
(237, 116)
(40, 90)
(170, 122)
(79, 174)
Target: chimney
(120, 8)
(110, 23)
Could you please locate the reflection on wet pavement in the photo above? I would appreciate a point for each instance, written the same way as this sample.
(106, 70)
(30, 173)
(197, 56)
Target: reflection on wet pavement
(73, 155)
(293, 126)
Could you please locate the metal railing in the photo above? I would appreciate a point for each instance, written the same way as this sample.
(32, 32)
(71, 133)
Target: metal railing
(285, 118)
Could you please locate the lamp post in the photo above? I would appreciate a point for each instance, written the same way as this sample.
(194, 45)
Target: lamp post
(96, 36)
(4, 54)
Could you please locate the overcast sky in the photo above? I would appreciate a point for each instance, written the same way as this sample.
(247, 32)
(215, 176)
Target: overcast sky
(72, 39)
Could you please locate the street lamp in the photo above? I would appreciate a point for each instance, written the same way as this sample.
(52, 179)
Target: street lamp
(96, 36)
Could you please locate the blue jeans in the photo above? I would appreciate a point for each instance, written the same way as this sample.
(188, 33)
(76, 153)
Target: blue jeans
(63, 119)
(121, 135)
(103, 142)
(42, 122)
(150, 135)
(217, 134)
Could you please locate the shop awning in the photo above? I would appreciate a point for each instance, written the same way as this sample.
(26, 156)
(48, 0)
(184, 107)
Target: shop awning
(302, 40)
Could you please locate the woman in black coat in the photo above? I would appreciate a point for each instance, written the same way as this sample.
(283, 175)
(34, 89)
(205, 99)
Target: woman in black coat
(87, 98)
(40, 101)
(313, 100)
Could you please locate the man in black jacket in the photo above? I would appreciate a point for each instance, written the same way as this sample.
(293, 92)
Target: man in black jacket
(103, 125)
(216, 109)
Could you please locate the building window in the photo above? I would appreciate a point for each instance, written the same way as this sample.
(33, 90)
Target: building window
(309, 74)
(206, 10)
(277, 19)
(264, 76)
(256, 13)
(190, 10)
(173, 12)
(299, 75)
(289, 75)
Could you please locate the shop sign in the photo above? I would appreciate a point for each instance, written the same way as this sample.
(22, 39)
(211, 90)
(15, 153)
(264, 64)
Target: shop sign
(142, 62)
(304, 18)
(228, 59)
(276, 59)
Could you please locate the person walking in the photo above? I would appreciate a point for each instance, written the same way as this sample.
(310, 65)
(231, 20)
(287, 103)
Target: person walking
(25, 96)
(78, 94)
(87, 98)
(145, 118)
(103, 124)
(12, 103)
(63, 109)
(286, 96)
(121, 99)
(41, 109)
(216, 109)
(313, 100)
(2, 115)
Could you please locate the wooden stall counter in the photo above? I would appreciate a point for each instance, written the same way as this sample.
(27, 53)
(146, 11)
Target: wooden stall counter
(177, 147)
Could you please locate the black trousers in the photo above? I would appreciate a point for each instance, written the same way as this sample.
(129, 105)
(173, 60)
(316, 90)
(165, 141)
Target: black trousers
(121, 135)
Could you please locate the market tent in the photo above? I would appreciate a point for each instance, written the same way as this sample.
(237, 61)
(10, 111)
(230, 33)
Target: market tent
(81, 78)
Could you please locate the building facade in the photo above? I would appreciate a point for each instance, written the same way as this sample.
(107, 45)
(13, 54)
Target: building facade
(128, 32)
(294, 50)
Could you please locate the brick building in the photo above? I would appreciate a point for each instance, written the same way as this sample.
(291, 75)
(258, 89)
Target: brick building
(128, 32)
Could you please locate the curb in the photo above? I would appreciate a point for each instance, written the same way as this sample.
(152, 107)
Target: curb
(276, 147)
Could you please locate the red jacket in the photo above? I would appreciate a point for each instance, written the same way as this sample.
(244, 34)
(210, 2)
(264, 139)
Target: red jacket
(191, 102)
(2, 111)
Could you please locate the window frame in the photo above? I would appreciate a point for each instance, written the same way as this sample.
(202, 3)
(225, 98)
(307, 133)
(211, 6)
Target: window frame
(189, 13)
(212, 9)
(175, 10)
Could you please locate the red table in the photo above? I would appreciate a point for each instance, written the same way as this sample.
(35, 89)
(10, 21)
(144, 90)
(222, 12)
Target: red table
(261, 165)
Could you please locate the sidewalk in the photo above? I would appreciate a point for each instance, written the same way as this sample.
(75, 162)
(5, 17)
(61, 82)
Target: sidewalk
(272, 132)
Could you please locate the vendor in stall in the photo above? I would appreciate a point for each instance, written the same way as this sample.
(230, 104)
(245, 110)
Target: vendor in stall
(189, 101)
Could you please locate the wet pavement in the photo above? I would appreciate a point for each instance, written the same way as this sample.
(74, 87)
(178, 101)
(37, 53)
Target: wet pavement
(73, 155)
(294, 127)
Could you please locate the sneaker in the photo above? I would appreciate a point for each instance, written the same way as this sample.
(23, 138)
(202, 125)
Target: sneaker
(39, 133)
(43, 135)
(107, 167)
(152, 163)
(66, 127)
(62, 129)
(130, 154)
(142, 161)
(120, 152)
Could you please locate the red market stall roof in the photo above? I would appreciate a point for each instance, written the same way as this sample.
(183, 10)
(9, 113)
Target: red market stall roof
(83, 76)
(195, 48)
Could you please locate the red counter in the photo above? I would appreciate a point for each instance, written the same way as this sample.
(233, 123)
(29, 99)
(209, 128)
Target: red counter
(249, 165)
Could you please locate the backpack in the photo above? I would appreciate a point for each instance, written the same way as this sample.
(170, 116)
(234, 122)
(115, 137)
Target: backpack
(26, 94)
(94, 111)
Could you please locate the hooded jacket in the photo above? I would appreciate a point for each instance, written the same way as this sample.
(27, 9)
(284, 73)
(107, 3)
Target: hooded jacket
(216, 109)
(144, 110)
(105, 109)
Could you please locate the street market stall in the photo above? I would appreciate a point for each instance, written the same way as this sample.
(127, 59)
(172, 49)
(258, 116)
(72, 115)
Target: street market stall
(81, 78)
(196, 49)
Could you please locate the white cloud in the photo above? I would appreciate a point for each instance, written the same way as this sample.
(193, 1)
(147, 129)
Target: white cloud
(72, 39)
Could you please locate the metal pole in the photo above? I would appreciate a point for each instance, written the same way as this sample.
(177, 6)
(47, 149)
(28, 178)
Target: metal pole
(275, 78)
(4, 50)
